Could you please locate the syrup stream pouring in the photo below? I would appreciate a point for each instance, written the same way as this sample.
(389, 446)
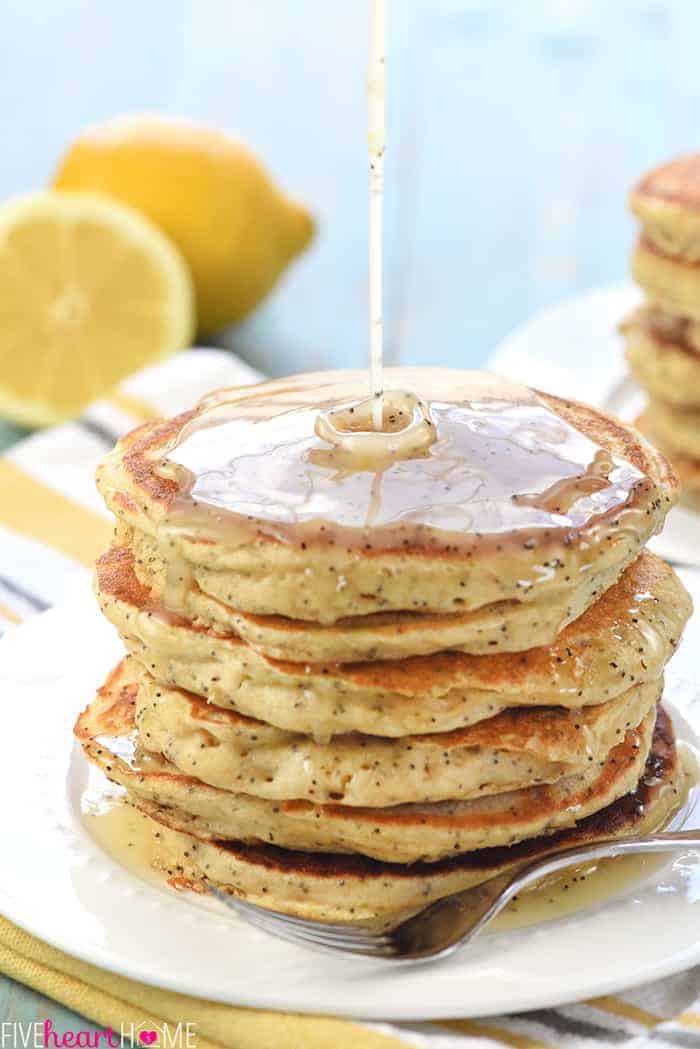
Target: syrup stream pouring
(376, 142)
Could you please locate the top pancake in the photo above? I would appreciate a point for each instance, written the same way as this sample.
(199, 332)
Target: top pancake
(260, 571)
(667, 203)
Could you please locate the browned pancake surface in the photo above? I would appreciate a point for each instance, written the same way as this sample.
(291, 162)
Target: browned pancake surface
(677, 182)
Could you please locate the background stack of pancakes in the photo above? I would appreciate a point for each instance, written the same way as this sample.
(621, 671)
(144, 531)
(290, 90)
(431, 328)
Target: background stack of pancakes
(663, 337)
(346, 734)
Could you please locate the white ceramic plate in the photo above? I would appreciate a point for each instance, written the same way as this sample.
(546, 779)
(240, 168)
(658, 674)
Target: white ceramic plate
(58, 884)
(574, 350)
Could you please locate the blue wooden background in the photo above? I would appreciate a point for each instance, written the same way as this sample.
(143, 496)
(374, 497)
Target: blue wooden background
(515, 129)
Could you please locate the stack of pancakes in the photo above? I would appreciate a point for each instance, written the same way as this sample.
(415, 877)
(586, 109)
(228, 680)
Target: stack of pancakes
(348, 730)
(663, 337)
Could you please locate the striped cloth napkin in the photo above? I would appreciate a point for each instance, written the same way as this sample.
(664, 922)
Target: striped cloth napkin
(52, 526)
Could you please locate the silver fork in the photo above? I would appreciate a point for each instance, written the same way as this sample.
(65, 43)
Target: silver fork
(454, 921)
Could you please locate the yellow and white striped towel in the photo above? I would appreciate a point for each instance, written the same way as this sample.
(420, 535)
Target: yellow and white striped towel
(52, 526)
(53, 523)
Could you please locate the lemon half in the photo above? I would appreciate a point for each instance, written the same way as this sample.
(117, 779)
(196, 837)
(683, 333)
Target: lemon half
(90, 292)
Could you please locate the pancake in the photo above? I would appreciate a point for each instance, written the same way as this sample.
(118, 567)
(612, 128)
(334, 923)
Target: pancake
(625, 638)
(663, 353)
(399, 834)
(538, 547)
(507, 626)
(355, 889)
(667, 203)
(687, 468)
(678, 429)
(514, 749)
(671, 283)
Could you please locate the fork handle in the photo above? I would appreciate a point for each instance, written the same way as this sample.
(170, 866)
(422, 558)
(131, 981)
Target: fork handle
(539, 869)
(455, 920)
(533, 872)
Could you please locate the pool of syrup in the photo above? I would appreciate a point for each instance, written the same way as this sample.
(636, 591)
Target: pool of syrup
(502, 463)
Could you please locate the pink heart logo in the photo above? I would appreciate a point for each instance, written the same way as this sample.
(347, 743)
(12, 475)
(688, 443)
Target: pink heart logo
(148, 1037)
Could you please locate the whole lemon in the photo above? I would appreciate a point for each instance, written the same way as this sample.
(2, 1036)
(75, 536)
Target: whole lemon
(208, 193)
